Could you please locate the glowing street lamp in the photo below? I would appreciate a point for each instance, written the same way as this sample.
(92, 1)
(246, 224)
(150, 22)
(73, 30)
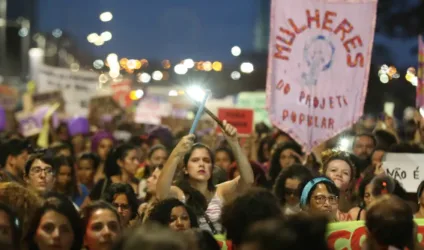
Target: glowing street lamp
(106, 17)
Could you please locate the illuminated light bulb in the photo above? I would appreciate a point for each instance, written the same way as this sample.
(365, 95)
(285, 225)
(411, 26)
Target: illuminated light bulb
(123, 62)
(157, 75)
(384, 67)
(217, 66)
(139, 93)
(196, 93)
(106, 36)
(166, 64)
(380, 72)
(131, 64)
(138, 64)
(414, 81)
(99, 41)
(344, 144)
(384, 78)
(112, 57)
(106, 16)
(236, 51)
(173, 93)
(145, 77)
(98, 64)
(57, 33)
(235, 75)
(92, 38)
(207, 66)
(409, 76)
(114, 73)
(188, 63)
(180, 69)
(103, 78)
(246, 67)
(422, 111)
(23, 32)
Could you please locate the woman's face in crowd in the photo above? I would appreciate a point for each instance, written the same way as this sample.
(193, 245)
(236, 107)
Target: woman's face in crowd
(130, 163)
(323, 201)
(179, 221)
(368, 197)
(291, 191)
(5, 229)
(377, 157)
(222, 159)
(158, 157)
(287, 158)
(86, 172)
(102, 230)
(152, 180)
(64, 176)
(104, 147)
(339, 172)
(199, 165)
(40, 177)
(121, 203)
(54, 232)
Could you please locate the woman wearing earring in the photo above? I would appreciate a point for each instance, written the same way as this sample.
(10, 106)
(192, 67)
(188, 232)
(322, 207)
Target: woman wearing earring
(196, 188)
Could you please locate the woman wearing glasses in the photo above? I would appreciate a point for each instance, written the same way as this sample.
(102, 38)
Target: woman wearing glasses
(123, 198)
(39, 174)
(320, 195)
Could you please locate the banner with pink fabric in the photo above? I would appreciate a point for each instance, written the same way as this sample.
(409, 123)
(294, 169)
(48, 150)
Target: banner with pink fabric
(318, 66)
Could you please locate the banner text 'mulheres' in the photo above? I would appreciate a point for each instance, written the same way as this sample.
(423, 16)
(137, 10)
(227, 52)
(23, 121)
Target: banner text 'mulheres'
(287, 36)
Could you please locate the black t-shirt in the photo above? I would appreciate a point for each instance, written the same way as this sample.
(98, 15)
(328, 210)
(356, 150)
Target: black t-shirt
(98, 189)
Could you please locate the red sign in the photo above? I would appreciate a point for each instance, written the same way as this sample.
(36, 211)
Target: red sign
(242, 119)
(121, 91)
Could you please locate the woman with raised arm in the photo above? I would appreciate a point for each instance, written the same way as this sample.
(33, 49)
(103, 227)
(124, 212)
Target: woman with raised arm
(196, 188)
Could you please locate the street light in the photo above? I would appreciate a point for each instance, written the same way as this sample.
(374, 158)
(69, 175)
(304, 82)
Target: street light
(106, 16)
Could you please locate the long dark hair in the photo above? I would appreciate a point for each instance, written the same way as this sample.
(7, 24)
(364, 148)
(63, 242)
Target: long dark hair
(15, 225)
(161, 213)
(195, 199)
(117, 153)
(275, 167)
(72, 189)
(63, 206)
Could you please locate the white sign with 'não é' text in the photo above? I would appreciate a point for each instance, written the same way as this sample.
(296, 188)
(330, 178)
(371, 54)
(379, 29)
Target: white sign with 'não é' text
(408, 169)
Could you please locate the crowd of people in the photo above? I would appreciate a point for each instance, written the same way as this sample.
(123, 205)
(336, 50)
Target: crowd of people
(153, 191)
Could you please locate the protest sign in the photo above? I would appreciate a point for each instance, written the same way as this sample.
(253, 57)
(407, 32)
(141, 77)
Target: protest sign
(241, 119)
(255, 101)
(103, 106)
(408, 169)
(9, 97)
(77, 87)
(121, 93)
(48, 98)
(31, 123)
(351, 235)
(319, 60)
(151, 109)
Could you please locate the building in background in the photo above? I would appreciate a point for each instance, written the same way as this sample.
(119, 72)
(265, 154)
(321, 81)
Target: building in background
(261, 33)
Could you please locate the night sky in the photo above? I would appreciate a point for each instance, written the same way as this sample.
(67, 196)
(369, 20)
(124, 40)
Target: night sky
(156, 29)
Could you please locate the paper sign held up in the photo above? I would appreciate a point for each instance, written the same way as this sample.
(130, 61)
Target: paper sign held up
(408, 169)
(242, 119)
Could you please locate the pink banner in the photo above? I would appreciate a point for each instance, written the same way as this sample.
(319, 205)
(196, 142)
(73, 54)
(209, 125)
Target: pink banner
(318, 66)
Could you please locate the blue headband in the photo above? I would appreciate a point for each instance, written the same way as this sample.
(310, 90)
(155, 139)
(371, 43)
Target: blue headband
(311, 184)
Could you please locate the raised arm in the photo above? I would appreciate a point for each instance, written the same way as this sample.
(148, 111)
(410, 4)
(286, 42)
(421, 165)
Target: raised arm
(164, 184)
(246, 173)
